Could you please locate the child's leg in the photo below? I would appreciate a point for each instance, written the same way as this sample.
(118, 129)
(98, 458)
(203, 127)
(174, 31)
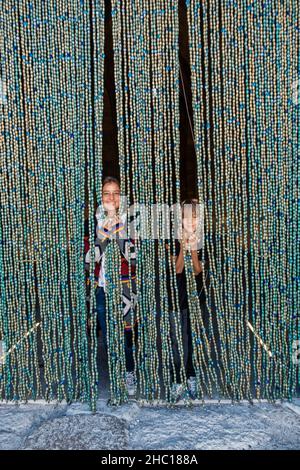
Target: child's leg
(128, 350)
(129, 293)
(190, 371)
(184, 334)
(101, 313)
(205, 318)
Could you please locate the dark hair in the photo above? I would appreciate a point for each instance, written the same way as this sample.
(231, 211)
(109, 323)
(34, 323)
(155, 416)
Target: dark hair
(110, 179)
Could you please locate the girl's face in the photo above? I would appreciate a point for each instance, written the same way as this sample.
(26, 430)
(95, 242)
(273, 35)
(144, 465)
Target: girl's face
(111, 197)
(190, 220)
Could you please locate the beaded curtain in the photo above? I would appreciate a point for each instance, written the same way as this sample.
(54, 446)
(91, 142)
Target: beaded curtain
(145, 36)
(245, 75)
(244, 59)
(51, 151)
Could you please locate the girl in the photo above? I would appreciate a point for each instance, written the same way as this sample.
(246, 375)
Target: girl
(111, 224)
(190, 239)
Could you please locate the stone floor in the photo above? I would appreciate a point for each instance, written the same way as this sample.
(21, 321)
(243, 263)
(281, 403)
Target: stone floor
(131, 426)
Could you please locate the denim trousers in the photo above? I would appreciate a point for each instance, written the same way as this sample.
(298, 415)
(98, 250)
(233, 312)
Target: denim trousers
(101, 316)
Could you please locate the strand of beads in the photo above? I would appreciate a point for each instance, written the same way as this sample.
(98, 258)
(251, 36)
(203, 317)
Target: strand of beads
(247, 222)
(29, 165)
(281, 236)
(230, 292)
(270, 161)
(3, 317)
(226, 188)
(199, 79)
(172, 173)
(253, 214)
(61, 135)
(8, 335)
(296, 124)
(6, 241)
(133, 38)
(129, 53)
(254, 208)
(51, 130)
(265, 58)
(68, 126)
(40, 96)
(280, 267)
(47, 130)
(260, 184)
(219, 220)
(284, 266)
(276, 212)
(243, 171)
(293, 189)
(65, 133)
(196, 47)
(266, 145)
(201, 350)
(74, 173)
(215, 194)
(124, 114)
(93, 181)
(143, 194)
(233, 177)
(98, 37)
(271, 171)
(34, 46)
(150, 91)
(148, 355)
(14, 193)
(130, 19)
(239, 238)
(75, 192)
(150, 95)
(166, 118)
(160, 82)
(116, 356)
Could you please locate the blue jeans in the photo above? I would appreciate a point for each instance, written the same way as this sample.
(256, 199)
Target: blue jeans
(101, 315)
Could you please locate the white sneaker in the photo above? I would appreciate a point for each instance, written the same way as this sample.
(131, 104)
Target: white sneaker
(130, 383)
(192, 386)
(176, 392)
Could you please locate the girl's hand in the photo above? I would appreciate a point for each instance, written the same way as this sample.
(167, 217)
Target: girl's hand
(185, 236)
(192, 242)
(111, 222)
